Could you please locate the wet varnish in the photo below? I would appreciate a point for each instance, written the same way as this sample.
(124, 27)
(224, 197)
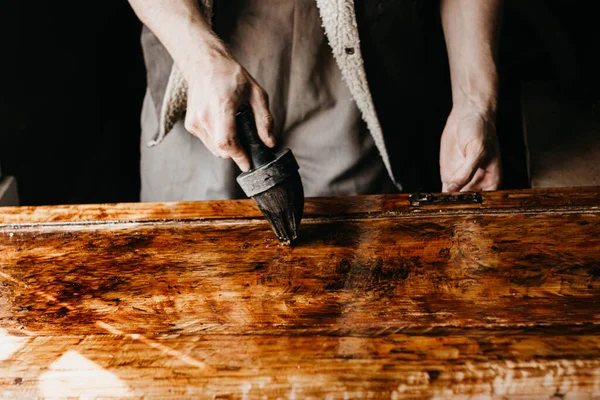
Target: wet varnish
(379, 299)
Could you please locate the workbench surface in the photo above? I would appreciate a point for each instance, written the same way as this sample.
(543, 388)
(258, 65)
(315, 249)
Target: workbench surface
(378, 299)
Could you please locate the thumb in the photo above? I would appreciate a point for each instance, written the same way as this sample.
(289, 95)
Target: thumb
(259, 101)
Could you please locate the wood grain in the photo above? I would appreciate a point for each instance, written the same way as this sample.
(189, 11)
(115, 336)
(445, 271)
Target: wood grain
(378, 299)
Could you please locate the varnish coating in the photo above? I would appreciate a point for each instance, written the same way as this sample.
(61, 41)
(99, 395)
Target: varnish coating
(377, 300)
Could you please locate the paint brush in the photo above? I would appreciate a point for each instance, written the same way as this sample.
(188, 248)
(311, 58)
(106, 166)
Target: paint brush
(273, 181)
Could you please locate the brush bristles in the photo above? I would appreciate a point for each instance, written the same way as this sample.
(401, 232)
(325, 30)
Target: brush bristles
(283, 207)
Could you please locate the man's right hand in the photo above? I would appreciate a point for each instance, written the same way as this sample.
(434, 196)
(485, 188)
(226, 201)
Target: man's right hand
(215, 93)
(217, 84)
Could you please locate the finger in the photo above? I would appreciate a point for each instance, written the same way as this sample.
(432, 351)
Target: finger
(474, 155)
(196, 128)
(476, 183)
(486, 178)
(494, 176)
(208, 143)
(259, 100)
(225, 138)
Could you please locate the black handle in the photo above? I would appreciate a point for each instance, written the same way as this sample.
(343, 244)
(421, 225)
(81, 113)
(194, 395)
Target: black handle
(249, 139)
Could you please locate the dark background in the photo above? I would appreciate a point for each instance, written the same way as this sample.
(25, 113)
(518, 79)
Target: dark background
(73, 81)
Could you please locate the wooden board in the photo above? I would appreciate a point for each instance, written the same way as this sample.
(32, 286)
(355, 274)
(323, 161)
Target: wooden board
(379, 299)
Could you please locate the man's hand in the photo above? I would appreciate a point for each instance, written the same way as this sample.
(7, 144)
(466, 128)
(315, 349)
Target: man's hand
(469, 152)
(217, 84)
(214, 96)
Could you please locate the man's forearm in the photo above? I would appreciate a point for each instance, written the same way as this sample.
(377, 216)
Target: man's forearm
(180, 26)
(471, 32)
(217, 84)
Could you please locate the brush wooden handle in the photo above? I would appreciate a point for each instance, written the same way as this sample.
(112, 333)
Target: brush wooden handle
(248, 136)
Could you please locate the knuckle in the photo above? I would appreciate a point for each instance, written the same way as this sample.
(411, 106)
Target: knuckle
(194, 123)
(269, 120)
(268, 126)
(191, 125)
(224, 144)
(239, 77)
(238, 71)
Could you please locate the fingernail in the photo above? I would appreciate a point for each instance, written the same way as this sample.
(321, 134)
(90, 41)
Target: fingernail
(453, 187)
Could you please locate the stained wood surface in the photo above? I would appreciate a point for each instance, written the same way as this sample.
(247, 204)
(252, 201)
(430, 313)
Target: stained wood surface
(379, 299)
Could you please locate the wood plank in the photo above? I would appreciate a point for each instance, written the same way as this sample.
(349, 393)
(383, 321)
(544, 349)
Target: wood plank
(537, 365)
(383, 300)
(436, 271)
(515, 200)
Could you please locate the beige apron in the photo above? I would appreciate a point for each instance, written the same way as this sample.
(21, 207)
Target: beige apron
(283, 46)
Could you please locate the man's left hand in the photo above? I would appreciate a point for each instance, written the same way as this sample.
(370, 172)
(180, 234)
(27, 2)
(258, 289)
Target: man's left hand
(469, 152)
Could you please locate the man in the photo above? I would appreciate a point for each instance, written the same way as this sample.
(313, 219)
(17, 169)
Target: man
(307, 55)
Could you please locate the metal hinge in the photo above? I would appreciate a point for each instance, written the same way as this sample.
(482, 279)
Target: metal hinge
(423, 199)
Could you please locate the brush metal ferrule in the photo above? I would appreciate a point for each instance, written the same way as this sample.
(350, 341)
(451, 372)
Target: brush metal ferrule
(268, 175)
